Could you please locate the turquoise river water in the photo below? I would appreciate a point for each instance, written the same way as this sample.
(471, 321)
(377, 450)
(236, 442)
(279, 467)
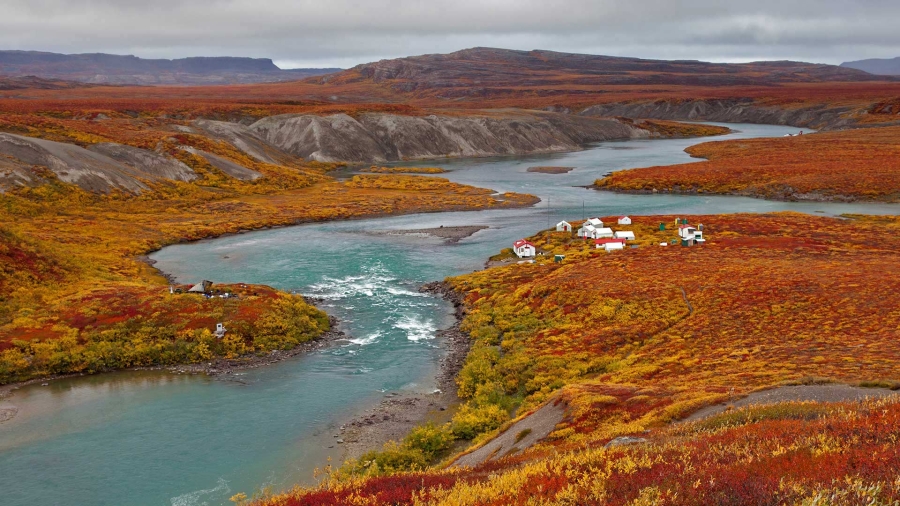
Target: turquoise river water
(157, 438)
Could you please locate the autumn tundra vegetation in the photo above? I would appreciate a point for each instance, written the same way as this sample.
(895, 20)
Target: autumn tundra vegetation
(860, 164)
(628, 343)
(633, 341)
(75, 297)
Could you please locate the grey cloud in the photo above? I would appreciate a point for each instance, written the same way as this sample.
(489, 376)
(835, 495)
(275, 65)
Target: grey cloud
(344, 32)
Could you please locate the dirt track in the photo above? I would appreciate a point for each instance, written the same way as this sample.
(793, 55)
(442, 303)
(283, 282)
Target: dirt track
(815, 393)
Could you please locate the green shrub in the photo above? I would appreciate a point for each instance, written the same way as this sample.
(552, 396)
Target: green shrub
(522, 434)
(390, 459)
(478, 370)
(471, 421)
(429, 439)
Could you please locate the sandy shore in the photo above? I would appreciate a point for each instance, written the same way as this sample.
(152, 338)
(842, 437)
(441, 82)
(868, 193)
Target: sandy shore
(397, 414)
(451, 234)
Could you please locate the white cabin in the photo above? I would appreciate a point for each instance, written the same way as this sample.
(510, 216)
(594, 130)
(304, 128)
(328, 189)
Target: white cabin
(624, 220)
(589, 232)
(625, 234)
(596, 222)
(687, 232)
(609, 244)
(564, 226)
(524, 249)
(603, 233)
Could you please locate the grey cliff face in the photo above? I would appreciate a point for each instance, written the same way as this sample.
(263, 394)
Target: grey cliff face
(376, 138)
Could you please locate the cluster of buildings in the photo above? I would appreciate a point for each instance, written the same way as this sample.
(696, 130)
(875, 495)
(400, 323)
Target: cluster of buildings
(607, 239)
(604, 237)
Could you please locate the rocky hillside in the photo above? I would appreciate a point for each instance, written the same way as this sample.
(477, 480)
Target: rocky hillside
(100, 168)
(387, 137)
(120, 69)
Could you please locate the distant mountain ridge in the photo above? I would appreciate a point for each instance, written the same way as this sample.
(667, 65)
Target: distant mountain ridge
(877, 66)
(101, 68)
(482, 70)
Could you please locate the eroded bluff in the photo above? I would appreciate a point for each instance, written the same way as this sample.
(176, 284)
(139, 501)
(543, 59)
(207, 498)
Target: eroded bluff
(375, 137)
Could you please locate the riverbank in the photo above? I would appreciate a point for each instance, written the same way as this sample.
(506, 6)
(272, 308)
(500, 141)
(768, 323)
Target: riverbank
(224, 367)
(216, 367)
(861, 165)
(108, 282)
(786, 195)
(397, 414)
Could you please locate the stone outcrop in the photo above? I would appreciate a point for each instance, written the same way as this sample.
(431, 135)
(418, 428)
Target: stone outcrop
(243, 138)
(376, 137)
(101, 168)
(146, 164)
(73, 164)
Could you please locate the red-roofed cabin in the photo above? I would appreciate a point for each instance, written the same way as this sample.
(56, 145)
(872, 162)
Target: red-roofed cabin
(609, 244)
(524, 249)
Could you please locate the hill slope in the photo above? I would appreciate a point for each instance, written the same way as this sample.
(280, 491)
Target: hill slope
(468, 71)
(877, 66)
(120, 69)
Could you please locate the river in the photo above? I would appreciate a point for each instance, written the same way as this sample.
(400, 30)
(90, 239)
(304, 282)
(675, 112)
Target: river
(157, 438)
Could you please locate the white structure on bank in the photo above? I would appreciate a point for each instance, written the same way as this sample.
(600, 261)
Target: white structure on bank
(609, 244)
(603, 233)
(564, 226)
(625, 234)
(524, 249)
(687, 232)
(624, 220)
(690, 235)
(220, 330)
(596, 222)
(591, 232)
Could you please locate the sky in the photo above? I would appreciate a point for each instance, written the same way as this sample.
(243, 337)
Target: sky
(344, 33)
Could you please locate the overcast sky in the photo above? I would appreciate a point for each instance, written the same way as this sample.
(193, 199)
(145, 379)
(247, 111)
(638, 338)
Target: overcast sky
(343, 33)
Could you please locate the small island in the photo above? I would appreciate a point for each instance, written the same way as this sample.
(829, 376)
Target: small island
(451, 234)
(551, 170)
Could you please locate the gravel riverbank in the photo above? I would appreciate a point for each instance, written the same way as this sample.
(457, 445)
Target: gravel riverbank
(397, 414)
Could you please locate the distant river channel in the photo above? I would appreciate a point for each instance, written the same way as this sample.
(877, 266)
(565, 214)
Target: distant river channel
(161, 439)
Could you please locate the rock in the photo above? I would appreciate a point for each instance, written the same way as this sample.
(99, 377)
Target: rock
(625, 441)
